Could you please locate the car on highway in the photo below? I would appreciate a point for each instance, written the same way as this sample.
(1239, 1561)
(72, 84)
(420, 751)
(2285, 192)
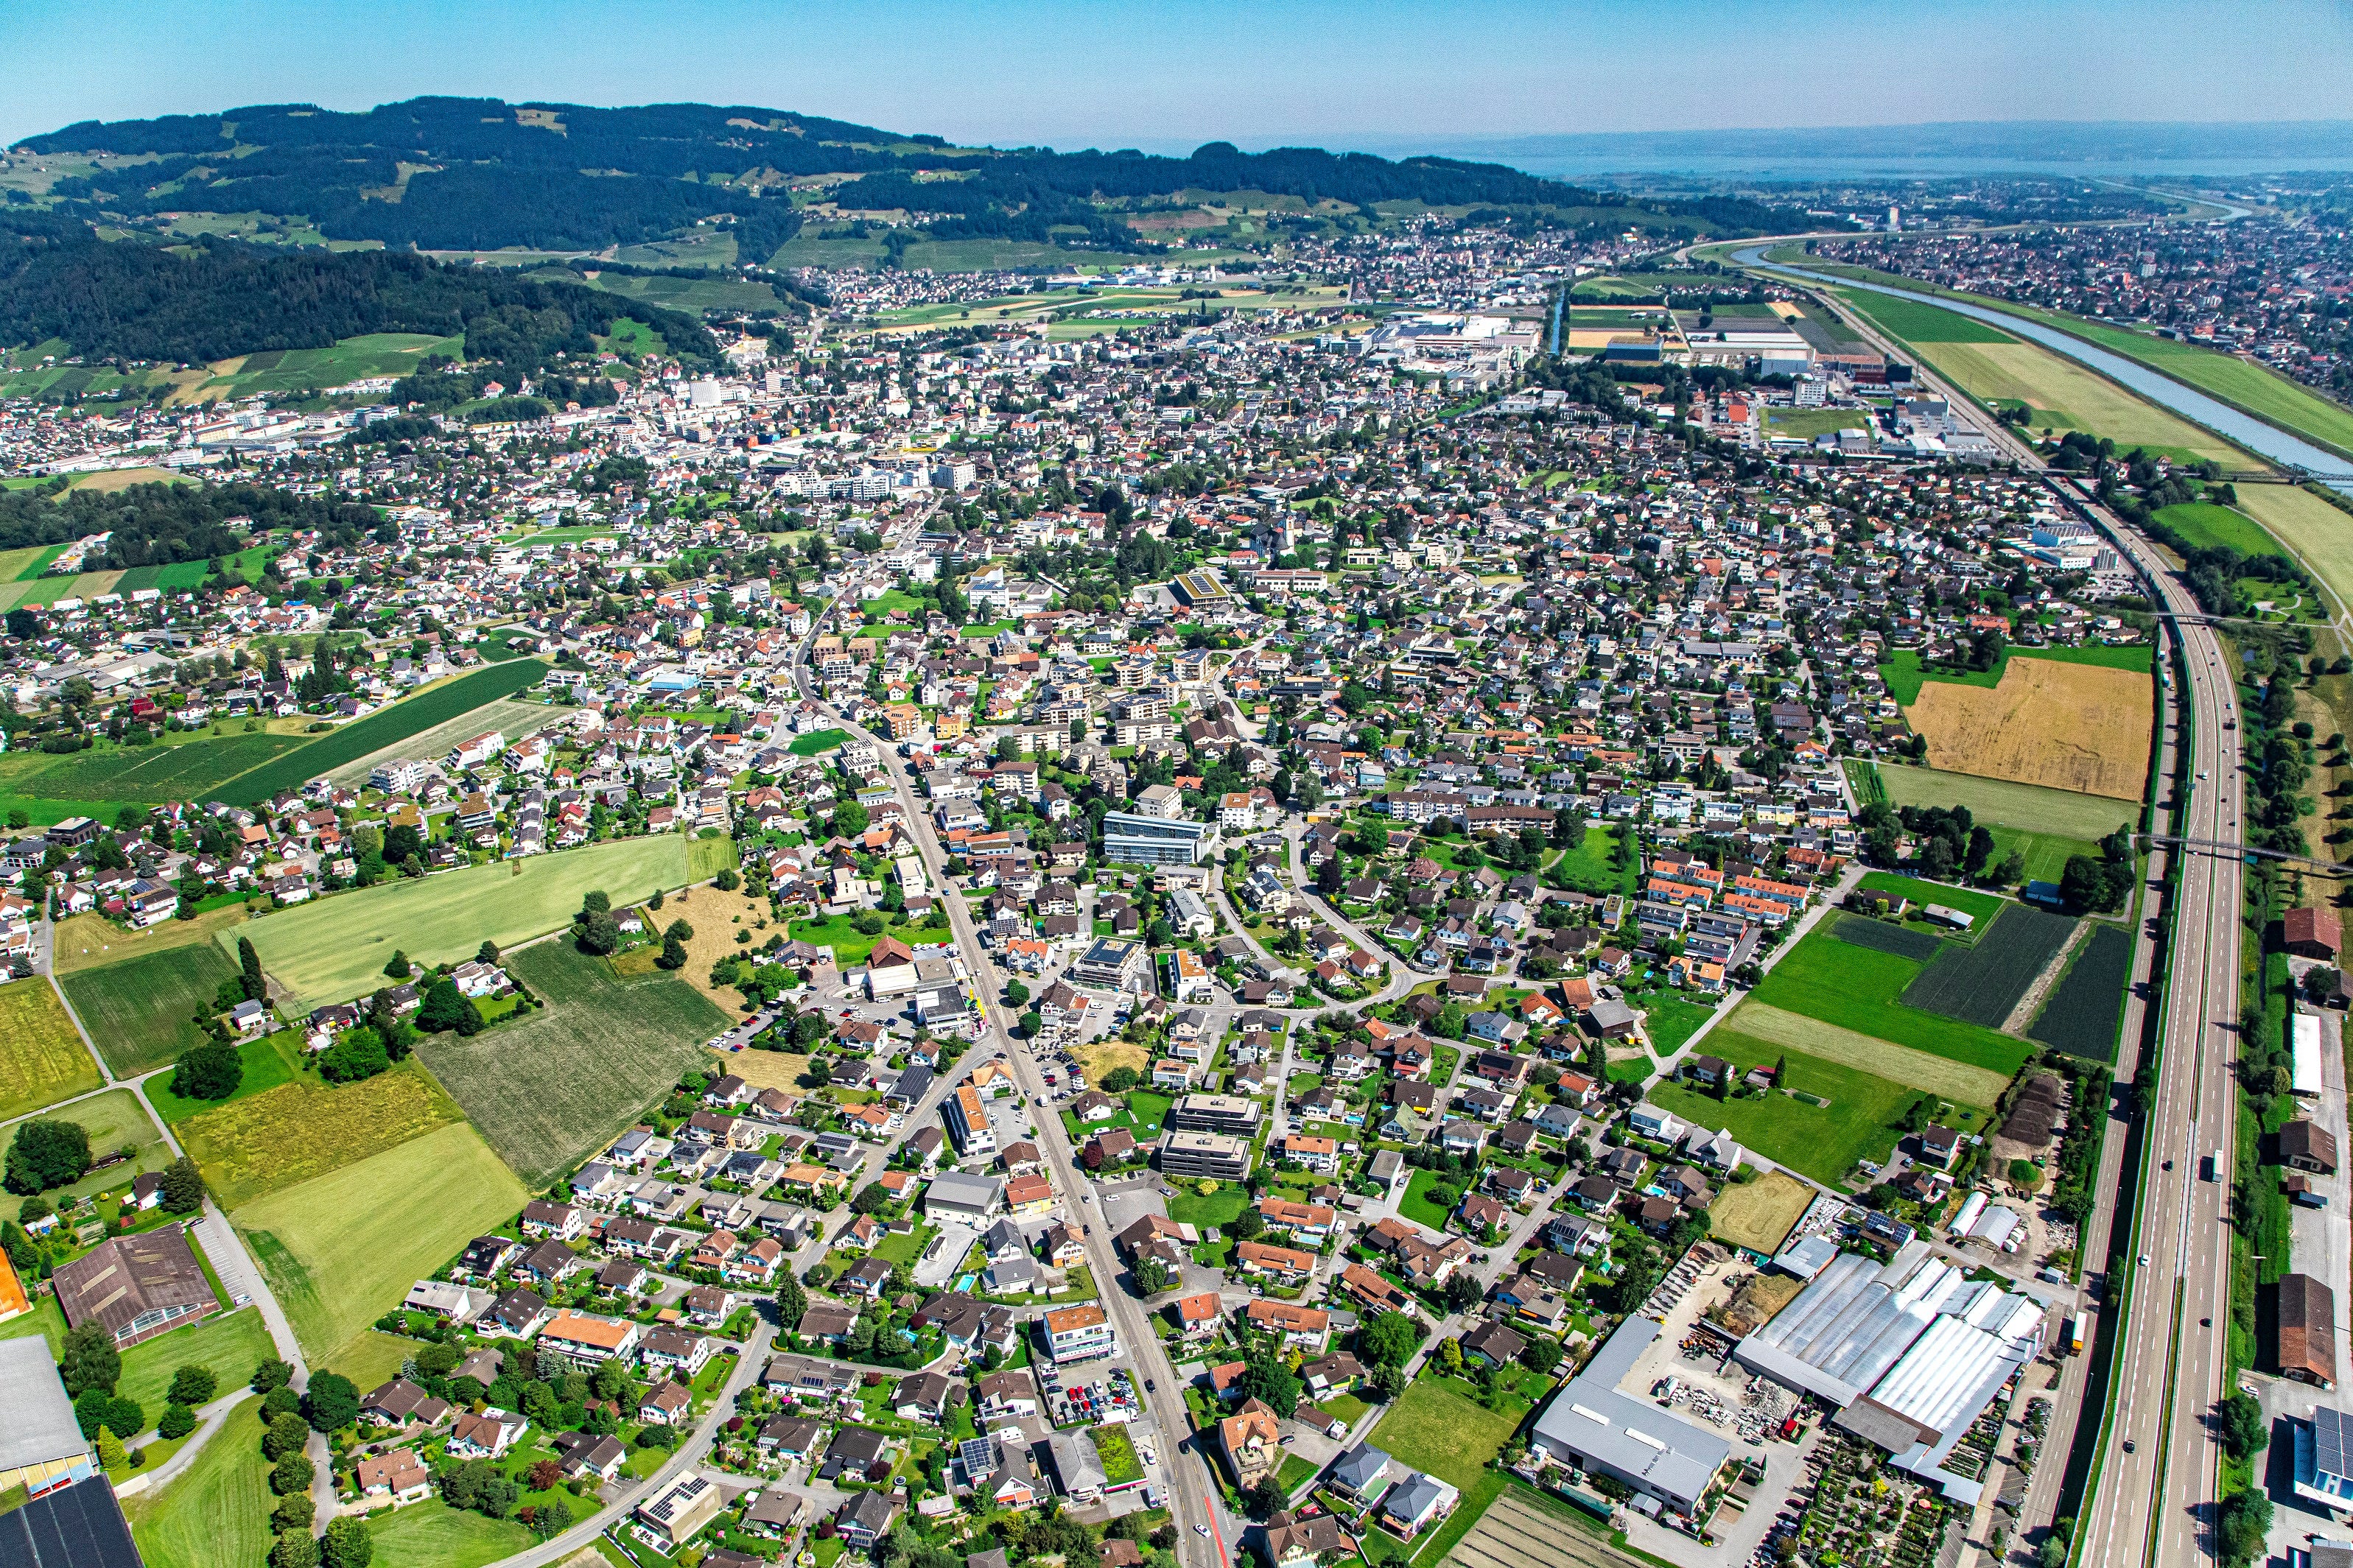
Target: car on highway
(2144, 1261)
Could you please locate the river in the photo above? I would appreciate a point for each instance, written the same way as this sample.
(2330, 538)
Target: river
(2265, 440)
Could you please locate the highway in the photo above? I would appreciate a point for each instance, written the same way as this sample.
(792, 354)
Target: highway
(2156, 1478)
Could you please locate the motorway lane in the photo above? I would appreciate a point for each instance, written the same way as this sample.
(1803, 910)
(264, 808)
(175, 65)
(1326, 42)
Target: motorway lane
(1195, 1503)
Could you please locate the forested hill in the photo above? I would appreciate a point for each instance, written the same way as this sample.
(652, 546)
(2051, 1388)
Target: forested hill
(135, 301)
(480, 173)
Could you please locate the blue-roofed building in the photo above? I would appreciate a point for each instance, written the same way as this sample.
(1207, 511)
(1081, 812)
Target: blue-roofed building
(2324, 1466)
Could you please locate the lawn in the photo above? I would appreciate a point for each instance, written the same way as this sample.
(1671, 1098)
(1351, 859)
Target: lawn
(388, 726)
(46, 1319)
(851, 945)
(2208, 526)
(1856, 989)
(1437, 1431)
(2314, 529)
(553, 1086)
(1117, 1453)
(2001, 803)
(370, 1357)
(1861, 1122)
(141, 1010)
(1759, 1215)
(432, 1534)
(818, 741)
(342, 1249)
(1980, 907)
(228, 1342)
(297, 1131)
(337, 948)
(1187, 1207)
(115, 1120)
(1416, 1205)
(1296, 1472)
(42, 1058)
(1669, 1018)
(215, 1514)
(266, 1065)
(1586, 868)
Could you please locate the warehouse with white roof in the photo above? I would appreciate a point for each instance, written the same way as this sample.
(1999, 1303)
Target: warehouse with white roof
(1911, 1351)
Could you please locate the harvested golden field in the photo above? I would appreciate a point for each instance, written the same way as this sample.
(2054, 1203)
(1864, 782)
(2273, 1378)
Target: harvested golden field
(300, 1130)
(764, 1069)
(88, 942)
(1760, 1215)
(2081, 727)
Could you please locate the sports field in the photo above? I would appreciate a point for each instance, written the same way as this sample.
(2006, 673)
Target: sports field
(297, 1131)
(1856, 989)
(216, 1513)
(1758, 1214)
(2076, 727)
(386, 727)
(1955, 1081)
(2030, 809)
(42, 1058)
(342, 1248)
(2318, 532)
(548, 1088)
(141, 1010)
(336, 948)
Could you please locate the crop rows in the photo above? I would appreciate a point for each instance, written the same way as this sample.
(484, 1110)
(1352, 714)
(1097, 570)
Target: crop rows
(1882, 936)
(1981, 984)
(388, 728)
(2081, 1016)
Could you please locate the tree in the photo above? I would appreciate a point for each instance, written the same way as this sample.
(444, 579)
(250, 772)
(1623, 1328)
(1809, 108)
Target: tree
(1388, 1381)
(331, 1402)
(598, 935)
(210, 1069)
(1541, 1355)
(359, 1054)
(250, 965)
(290, 1476)
(1016, 993)
(295, 1548)
(1245, 1225)
(397, 967)
(1119, 1080)
(851, 820)
(110, 1456)
(183, 1192)
(674, 952)
(1151, 1276)
(447, 1008)
(870, 1199)
(487, 953)
(1387, 1339)
(194, 1385)
(176, 1422)
(45, 1155)
(347, 1544)
(2244, 1429)
(1266, 1499)
(2242, 1524)
(1268, 1380)
(1464, 1292)
(89, 1361)
(287, 1433)
(727, 881)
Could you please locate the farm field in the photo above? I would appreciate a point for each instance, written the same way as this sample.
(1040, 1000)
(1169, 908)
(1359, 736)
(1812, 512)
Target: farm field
(510, 716)
(342, 1249)
(2205, 523)
(2032, 810)
(432, 1534)
(1905, 675)
(1952, 1080)
(388, 726)
(556, 1085)
(116, 1120)
(2060, 394)
(92, 942)
(1886, 936)
(371, 1357)
(1862, 1121)
(1918, 323)
(2315, 531)
(296, 1132)
(228, 1342)
(2076, 727)
(337, 948)
(1526, 1530)
(195, 769)
(266, 1067)
(215, 1514)
(1980, 984)
(141, 1010)
(2085, 1007)
(1856, 989)
(691, 295)
(1759, 1215)
(42, 1058)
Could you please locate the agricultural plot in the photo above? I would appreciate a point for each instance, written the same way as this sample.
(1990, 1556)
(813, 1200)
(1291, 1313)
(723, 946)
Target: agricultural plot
(2084, 1008)
(337, 948)
(141, 1011)
(511, 717)
(1900, 1064)
(1760, 1215)
(42, 1058)
(1983, 982)
(2206, 524)
(1918, 323)
(2318, 532)
(294, 1132)
(266, 1062)
(2032, 810)
(2057, 393)
(1860, 1118)
(216, 1513)
(386, 727)
(193, 770)
(1521, 1531)
(117, 1123)
(2077, 727)
(1859, 990)
(553, 1086)
(1885, 936)
(342, 1249)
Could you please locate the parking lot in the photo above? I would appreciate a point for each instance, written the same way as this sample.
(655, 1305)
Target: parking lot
(1108, 1394)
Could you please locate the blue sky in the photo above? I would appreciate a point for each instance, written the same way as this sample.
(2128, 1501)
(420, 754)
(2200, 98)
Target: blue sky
(1167, 76)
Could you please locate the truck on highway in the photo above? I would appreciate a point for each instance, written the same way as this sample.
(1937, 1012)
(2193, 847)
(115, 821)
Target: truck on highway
(2075, 1334)
(2214, 1166)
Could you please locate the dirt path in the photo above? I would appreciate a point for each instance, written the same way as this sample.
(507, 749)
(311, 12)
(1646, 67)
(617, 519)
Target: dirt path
(2031, 1003)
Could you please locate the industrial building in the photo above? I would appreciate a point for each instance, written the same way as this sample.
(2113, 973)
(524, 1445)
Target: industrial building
(41, 1443)
(138, 1286)
(1592, 1426)
(2324, 1459)
(1131, 838)
(1910, 1352)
